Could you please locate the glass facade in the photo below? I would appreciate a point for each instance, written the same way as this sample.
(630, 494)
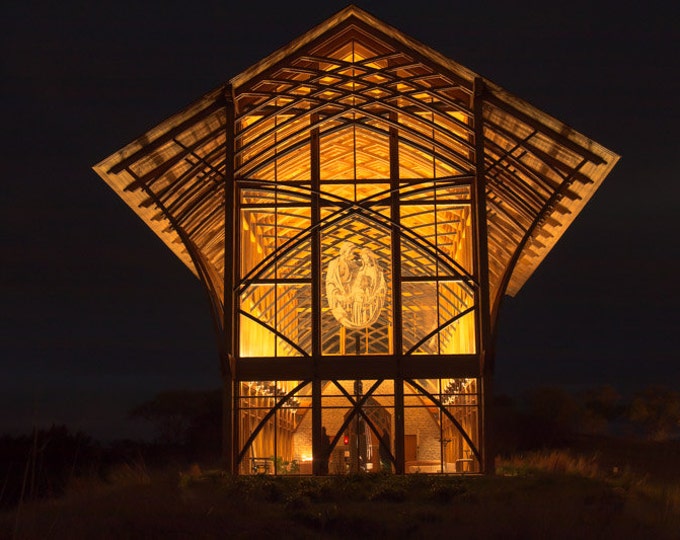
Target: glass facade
(355, 242)
(356, 206)
(441, 426)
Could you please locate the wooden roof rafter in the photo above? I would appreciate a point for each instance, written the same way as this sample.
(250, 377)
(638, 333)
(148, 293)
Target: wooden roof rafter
(345, 94)
(540, 172)
(560, 169)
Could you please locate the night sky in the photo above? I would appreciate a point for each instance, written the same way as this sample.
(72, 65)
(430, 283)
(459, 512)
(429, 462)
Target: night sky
(98, 315)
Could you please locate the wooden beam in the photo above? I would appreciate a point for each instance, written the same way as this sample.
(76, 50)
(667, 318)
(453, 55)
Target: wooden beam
(167, 136)
(228, 363)
(481, 264)
(537, 125)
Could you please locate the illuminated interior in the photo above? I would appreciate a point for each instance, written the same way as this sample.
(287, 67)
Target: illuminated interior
(358, 416)
(361, 109)
(356, 206)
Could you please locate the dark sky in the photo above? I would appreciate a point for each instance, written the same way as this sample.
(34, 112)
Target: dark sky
(98, 315)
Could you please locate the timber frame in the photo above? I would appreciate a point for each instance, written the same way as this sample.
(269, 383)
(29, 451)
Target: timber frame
(357, 133)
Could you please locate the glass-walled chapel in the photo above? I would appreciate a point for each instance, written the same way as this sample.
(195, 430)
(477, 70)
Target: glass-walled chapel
(356, 205)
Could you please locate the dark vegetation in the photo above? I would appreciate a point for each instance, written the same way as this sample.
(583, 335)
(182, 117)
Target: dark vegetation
(545, 495)
(592, 465)
(42, 464)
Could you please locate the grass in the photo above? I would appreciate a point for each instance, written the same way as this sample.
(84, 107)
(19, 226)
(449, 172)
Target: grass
(555, 494)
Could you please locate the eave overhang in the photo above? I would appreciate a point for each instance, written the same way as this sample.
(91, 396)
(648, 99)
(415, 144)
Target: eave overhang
(540, 172)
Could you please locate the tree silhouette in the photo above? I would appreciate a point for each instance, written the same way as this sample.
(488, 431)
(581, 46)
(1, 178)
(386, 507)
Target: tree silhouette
(185, 418)
(656, 409)
(601, 406)
(552, 417)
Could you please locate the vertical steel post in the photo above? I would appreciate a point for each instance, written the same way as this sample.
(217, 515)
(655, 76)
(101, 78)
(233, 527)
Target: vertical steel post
(315, 173)
(481, 260)
(399, 430)
(230, 258)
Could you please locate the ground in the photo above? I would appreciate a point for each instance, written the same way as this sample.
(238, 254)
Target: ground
(551, 494)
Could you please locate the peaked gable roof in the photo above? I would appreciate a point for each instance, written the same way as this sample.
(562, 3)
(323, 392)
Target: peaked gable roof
(540, 172)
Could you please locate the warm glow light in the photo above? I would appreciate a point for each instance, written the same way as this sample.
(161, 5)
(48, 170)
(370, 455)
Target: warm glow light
(356, 275)
(355, 165)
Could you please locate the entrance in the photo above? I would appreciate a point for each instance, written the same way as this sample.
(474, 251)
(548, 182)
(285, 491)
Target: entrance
(368, 439)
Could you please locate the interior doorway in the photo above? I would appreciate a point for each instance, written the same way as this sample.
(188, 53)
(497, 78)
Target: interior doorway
(369, 439)
(410, 447)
